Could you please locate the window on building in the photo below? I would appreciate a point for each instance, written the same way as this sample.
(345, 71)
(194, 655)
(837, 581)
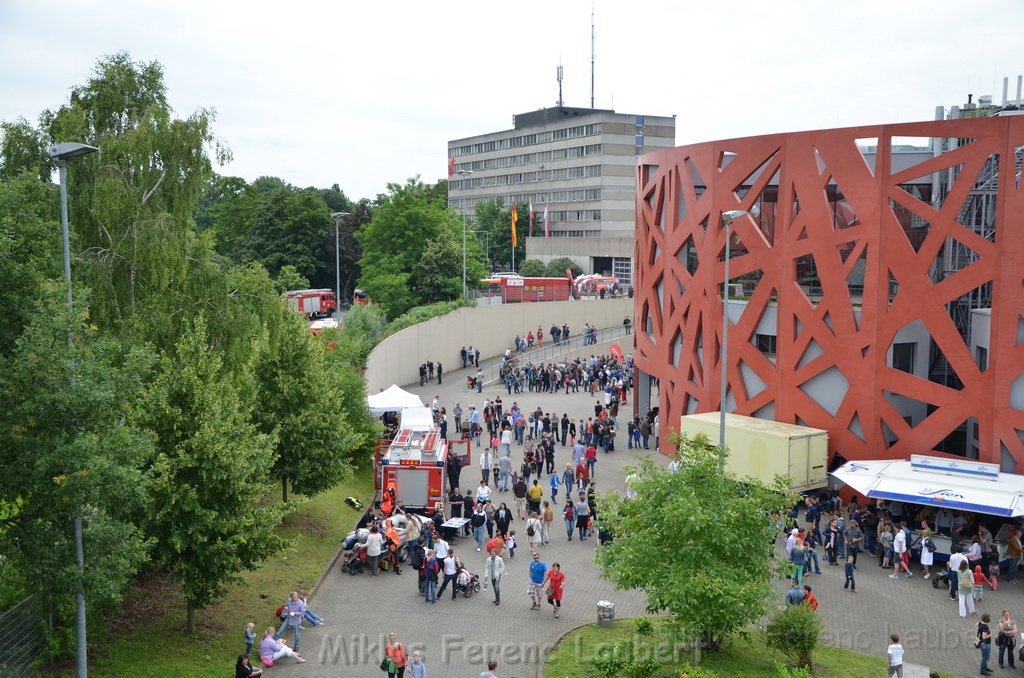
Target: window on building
(982, 357)
(903, 355)
(765, 343)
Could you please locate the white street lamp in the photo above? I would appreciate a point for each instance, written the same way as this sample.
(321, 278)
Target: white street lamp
(338, 216)
(62, 153)
(727, 219)
(465, 290)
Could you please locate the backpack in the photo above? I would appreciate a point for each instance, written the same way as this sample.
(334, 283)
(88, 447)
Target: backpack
(568, 512)
(280, 613)
(529, 528)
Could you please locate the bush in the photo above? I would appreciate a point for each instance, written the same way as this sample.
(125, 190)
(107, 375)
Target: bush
(795, 632)
(697, 672)
(786, 672)
(556, 267)
(644, 626)
(532, 268)
(419, 314)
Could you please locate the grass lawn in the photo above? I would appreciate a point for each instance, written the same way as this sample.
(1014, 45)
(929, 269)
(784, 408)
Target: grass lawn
(154, 647)
(740, 658)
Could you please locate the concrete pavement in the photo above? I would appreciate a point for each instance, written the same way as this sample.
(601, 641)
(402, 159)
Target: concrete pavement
(458, 636)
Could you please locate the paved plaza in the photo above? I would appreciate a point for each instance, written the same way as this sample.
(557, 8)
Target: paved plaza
(457, 636)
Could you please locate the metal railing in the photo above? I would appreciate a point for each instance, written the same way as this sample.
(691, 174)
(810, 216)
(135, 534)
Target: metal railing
(20, 639)
(550, 350)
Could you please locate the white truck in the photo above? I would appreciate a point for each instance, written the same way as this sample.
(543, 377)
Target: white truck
(762, 449)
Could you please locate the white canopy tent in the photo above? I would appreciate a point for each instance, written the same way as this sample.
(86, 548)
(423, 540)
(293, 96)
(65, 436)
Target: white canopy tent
(394, 399)
(961, 485)
(418, 418)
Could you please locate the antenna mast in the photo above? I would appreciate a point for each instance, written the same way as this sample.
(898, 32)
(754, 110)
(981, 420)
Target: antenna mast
(559, 72)
(591, 56)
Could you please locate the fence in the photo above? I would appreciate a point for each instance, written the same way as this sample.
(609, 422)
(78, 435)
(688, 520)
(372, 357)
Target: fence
(21, 636)
(551, 350)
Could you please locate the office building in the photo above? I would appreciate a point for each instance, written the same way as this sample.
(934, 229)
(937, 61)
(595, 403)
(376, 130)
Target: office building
(577, 162)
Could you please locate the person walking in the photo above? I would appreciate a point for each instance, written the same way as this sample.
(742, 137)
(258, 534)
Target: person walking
(1007, 639)
(569, 514)
(851, 583)
(895, 656)
(538, 573)
(478, 521)
(417, 669)
(582, 511)
(965, 588)
(494, 567)
(555, 586)
(984, 643)
(395, 652)
(534, 531)
(451, 571)
(547, 518)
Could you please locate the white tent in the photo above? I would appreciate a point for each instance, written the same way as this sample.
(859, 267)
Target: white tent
(394, 399)
(957, 484)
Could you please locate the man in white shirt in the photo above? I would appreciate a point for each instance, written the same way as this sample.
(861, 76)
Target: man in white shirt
(485, 465)
(954, 573)
(374, 547)
(791, 541)
(440, 549)
(944, 521)
(451, 570)
(483, 493)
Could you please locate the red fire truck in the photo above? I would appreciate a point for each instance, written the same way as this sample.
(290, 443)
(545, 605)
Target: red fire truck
(312, 303)
(410, 469)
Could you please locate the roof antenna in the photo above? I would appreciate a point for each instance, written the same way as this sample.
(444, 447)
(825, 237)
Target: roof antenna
(559, 72)
(591, 55)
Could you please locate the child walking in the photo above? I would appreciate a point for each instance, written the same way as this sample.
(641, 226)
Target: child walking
(250, 637)
(510, 543)
(979, 583)
(850, 582)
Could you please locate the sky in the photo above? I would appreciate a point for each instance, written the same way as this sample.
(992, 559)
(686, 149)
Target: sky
(363, 94)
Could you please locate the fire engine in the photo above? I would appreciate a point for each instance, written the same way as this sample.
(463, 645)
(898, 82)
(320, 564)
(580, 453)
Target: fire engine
(312, 303)
(410, 469)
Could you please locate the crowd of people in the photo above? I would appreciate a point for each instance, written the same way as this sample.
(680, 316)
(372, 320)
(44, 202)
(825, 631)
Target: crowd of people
(904, 537)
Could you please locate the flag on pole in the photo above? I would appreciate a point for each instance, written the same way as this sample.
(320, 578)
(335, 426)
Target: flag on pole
(547, 221)
(531, 219)
(515, 218)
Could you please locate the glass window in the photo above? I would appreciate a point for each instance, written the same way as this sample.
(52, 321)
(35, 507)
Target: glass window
(765, 343)
(903, 355)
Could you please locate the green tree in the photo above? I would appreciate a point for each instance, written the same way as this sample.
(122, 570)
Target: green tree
(431, 278)
(30, 251)
(211, 472)
(70, 449)
(132, 204)
(556, 268)
(532, 268)
(795, 632)
(684, 520)
(23, 151)
(289, 279)
(299, 406)
(405, 220)
(492, 217)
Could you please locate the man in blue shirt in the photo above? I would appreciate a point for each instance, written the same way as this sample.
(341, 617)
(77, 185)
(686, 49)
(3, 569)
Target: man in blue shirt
(795, 595)
(538, 570)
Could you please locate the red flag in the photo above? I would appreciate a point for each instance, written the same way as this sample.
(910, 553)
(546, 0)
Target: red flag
(547, 221)
(616, 351)
(515, 218)
(451, 165)
(531, 219)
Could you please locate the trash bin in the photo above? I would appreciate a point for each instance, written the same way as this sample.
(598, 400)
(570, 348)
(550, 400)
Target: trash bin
(605, 613)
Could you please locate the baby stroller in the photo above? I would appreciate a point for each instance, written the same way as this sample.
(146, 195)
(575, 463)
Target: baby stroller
(467, 583)
(942, 576)
(470, 382)
(353, 560)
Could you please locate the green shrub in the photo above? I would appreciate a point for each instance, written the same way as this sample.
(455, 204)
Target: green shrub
(697, 672)
(644, 626)
(795, 632)
(419, 314)
(787, 672)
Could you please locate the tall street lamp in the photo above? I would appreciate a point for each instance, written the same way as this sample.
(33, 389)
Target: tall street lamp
(465, 290)
(338, 216)
(61, 154)
(727, 219)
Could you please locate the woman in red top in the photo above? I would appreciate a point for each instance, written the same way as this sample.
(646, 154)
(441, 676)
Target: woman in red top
(396, 653)
(555, 582)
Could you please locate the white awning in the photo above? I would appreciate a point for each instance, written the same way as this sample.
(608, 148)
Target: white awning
(394, 399)
(418, 418)
(954, 484)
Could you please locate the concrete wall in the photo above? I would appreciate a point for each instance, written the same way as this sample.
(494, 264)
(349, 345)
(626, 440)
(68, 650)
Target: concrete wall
(491, 329)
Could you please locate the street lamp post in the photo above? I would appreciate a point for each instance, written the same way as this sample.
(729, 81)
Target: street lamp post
(61, 154)
(727, 219)
(465, 290)
(338, 216)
